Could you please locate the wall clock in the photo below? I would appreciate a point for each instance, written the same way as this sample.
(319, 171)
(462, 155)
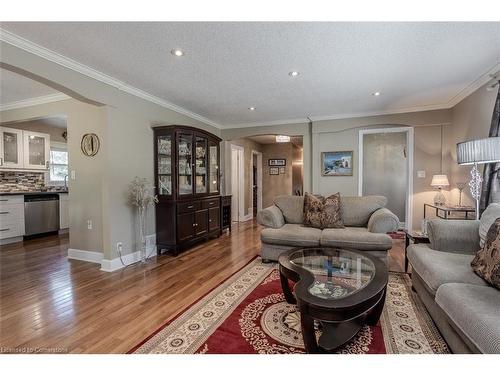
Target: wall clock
(90, 144)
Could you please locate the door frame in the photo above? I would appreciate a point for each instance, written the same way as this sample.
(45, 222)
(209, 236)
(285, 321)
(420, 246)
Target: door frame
(241, 180)
(259, 180)
(409, 147)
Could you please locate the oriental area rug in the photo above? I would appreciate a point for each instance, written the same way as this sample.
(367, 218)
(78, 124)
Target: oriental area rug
(248, 314)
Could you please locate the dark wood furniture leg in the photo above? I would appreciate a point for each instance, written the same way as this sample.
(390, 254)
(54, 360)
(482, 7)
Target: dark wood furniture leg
(307, 325)
(374, 315)
(289, 297)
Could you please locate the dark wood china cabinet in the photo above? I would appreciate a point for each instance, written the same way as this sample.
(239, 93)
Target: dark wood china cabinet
(187, 180)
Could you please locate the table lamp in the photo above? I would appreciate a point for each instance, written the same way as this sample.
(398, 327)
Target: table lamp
(479, 151)
(439, 181)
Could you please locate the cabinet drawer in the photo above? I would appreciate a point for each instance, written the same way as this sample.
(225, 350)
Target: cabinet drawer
(209, 203)
(11, 229)
(11, 212)
(188, 207)
(11, 199)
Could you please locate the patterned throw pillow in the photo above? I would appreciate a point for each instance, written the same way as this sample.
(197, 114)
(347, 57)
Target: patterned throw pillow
(487, 260)
(320, 212)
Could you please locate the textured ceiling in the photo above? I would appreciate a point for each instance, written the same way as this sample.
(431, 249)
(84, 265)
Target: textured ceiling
(229, 67)
(15, 87)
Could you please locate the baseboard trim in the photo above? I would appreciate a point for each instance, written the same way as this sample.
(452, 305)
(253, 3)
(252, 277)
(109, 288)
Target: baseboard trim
(115, 264)
(247, 217)
(85, 255)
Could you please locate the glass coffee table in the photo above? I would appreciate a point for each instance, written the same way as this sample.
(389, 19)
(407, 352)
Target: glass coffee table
(341, 289)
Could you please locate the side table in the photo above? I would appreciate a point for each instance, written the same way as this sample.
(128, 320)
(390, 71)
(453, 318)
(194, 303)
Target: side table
(416, 237)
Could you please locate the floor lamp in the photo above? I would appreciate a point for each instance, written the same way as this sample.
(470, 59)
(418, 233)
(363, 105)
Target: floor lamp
(479, 151)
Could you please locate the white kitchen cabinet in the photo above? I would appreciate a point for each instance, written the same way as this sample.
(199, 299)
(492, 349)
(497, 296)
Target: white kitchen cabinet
(11, 148)
(11, 218)
(36, 150)
(63, 211)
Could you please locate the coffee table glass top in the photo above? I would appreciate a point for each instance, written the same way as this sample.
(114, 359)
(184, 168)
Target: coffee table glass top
(337, 273)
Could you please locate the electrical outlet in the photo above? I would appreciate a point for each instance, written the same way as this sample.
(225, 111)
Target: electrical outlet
(73, 175)
(89, 224)
(421, 174)
(119, 247)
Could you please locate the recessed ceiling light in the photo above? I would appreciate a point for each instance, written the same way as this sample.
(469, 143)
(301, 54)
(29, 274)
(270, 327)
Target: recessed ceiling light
(376, 93)
(177, 52)
(293, 74)
(251, 108)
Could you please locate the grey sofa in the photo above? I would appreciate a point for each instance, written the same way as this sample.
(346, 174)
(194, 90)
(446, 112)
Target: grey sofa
(367, 223)
(464, 307)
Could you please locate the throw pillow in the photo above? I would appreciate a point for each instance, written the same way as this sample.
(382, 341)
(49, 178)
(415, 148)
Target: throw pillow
(488, 217)
(320, 212)
(486, 263)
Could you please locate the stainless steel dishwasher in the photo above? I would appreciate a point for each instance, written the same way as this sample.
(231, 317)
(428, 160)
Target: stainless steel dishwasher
(41, 213)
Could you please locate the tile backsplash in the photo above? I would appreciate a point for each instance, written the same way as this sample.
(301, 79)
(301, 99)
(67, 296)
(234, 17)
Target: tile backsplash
(21, 181)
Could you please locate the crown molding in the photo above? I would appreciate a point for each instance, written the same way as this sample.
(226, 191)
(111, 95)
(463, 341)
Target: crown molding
(34, 101)
(45, 53)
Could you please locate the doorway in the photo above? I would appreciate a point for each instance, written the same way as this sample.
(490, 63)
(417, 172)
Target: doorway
(386, 167)
(237, 183)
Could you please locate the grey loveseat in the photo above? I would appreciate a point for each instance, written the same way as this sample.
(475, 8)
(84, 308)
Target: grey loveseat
(464, 307)
(367, 223)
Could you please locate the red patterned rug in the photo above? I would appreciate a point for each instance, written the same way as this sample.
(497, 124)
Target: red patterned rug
(248, 314)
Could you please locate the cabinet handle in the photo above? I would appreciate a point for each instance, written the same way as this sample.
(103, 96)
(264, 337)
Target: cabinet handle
(4, 200)
(4, 230)
(190, 206)
(210, 220)
(4, 212)
(195, 225)
(1, 161)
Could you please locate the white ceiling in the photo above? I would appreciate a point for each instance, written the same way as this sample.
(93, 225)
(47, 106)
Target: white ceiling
(229, 67)
(15, 87)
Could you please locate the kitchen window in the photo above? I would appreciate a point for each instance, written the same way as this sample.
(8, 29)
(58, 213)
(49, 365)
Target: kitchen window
(58, 168)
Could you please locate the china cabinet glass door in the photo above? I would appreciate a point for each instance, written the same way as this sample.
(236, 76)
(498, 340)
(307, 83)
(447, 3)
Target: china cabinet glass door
(213, 151)
(164, 150)
(201, 165)
(184, 166)
(11, 148)
(36, 150)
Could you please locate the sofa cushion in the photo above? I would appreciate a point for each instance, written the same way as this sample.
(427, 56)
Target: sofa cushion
(356, 211)
(292, 207)
(486, 263)
(488, 217)
(438, 267)
(322, 212)
(292, 235)
(475, 311)
(355, 238)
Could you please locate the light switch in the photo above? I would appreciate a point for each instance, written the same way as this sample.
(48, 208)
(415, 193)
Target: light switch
(421, 174)
(73, 175)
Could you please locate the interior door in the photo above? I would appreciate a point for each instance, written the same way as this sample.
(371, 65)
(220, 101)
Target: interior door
(385, 169)
(11, 148)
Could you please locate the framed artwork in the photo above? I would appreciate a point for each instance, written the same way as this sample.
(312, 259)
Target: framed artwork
(274, 171)
(282, 170)
(336, 163)
(277, 162)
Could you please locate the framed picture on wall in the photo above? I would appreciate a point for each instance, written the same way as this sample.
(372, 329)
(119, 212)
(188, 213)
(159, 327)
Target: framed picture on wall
(336, 163)
(277, 162)
(274, 171)
(282, 170)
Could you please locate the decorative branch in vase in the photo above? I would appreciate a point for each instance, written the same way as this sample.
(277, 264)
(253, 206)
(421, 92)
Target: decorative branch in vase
(141, 195)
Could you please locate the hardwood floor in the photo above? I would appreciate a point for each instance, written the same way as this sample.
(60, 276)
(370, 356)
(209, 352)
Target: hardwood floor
(51, 304)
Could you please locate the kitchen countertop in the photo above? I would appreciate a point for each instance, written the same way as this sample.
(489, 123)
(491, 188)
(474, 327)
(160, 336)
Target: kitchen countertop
(33, 192)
